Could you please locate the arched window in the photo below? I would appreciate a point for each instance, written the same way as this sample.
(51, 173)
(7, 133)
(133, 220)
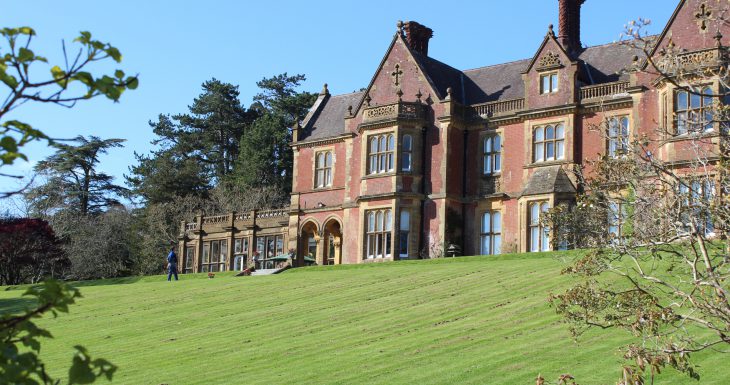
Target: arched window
(539, 234)
(380, 158)
(618, 136)
(323, 169)
(492, 155)
(548, 143)
(379, 234)
(491, 234)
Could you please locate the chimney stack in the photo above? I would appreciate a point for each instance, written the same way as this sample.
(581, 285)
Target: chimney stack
(569, 34)
(417, 36)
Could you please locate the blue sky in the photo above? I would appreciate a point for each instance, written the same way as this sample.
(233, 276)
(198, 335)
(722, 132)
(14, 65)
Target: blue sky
(176, 45)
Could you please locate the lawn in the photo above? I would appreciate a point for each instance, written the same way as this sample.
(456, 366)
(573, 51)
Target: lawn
(475, 320)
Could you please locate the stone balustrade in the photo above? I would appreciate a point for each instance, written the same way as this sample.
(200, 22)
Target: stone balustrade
(499, 108)
(607, 90)
(401, 110)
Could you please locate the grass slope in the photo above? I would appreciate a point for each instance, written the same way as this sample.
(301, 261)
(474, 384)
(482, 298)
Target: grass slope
(471, 320)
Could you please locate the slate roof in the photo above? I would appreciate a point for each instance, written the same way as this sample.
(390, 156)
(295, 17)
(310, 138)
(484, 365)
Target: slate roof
(548, 180)
(330, 120)
(602, 64)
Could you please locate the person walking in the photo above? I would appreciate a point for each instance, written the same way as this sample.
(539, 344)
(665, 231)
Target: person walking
(171, 264)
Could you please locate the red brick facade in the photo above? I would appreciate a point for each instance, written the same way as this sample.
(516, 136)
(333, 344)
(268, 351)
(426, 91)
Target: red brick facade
(408, 166)
(448, 115)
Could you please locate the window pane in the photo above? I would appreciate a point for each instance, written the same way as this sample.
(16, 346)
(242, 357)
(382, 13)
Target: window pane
(534, 214)
(388, 220)
(559, 150)
(374, 144)
(279, 245)
(534, 239)
(373, 163)
(388, 241)
(488, 145)
(497, 143)
(320, 160)
(549, 132)
(403, 244)
(695, 101)
(550, 150)
(379, 221)
(391, 142)
(681, 100)
(539, 155)
(625, 127)
(407, 143)
(405, 220)
(545, 84)
(545, 240)
(238, 246)
(497, 162)
(681, 123)
(486, 245)
(486, 222)
(559, 131)
(371, 222)
(554, 81)
(406, 161)
(390, 161)
(539, 134)
(381, 146)
(487, 164)
(206, 253)
(328, 160)
(497, 248)
(497, 222)
(214, 252)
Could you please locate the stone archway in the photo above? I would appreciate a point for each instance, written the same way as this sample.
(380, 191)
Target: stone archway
(332, 252)
(309, 242)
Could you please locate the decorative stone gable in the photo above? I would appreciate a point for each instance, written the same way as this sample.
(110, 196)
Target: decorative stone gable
(549, 61)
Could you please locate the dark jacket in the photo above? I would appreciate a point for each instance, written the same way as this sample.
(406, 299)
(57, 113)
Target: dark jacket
(172, 258)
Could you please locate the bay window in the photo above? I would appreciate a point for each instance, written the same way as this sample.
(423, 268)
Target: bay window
(379, 233)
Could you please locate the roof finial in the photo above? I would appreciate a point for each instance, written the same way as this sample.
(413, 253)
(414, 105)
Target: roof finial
(324, 91)
(400, 25)
(551, 32)
(399, 93)
(718, 38)
(419, 95)
(368, 99)
(448, 93)
(349, 110)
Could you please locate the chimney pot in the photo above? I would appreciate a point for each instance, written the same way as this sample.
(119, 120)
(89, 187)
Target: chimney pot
(417, 36)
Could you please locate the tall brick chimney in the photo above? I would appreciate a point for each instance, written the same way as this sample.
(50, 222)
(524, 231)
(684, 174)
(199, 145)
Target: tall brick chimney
(569, 34)
(417, 36)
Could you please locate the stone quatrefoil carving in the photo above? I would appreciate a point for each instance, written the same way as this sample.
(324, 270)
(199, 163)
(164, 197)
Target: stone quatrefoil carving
(549, 60)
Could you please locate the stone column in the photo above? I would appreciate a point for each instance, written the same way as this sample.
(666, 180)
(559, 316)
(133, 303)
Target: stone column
(320, 248)
(199, 238)
(338, 250)
(231, 228)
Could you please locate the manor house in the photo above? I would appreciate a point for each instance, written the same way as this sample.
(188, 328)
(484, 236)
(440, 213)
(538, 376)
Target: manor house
(430, 155)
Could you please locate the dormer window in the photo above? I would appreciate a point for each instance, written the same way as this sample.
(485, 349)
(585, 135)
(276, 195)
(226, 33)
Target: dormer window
(549, 83)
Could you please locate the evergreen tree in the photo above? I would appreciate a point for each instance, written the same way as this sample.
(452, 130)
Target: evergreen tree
(72, 180)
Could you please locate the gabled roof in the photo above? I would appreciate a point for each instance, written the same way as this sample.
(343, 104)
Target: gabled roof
(329, 121)
(602, 64)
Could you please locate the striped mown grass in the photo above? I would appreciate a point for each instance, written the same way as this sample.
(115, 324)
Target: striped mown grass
(475, 320)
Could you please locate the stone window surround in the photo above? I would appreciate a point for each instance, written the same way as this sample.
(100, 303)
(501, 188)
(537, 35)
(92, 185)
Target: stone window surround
(629, 133)
(491, 153)
(490, 232)
(385, 210)
(323, 150)
(667, 102)
(549, 77)
(531, 139)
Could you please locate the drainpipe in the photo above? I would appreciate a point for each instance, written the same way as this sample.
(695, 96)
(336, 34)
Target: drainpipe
(421, 240)
(463, 192)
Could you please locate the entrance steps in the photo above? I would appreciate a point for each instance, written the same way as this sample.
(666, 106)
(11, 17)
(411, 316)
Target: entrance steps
(269, 271)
